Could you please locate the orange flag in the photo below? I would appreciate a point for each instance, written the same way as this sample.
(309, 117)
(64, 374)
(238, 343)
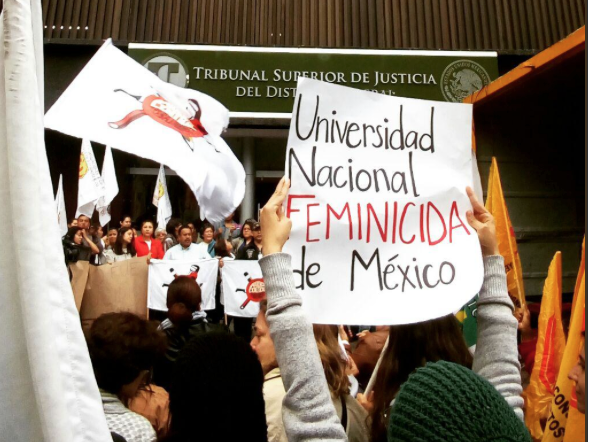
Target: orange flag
(565, 423)
(549, 351)
(505, 238)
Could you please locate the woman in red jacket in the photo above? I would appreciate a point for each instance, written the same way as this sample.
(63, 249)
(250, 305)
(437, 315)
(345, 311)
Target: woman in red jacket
(146, 244)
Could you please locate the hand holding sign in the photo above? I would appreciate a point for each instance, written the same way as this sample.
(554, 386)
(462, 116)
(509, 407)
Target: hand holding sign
(483, 222)
(275, 225)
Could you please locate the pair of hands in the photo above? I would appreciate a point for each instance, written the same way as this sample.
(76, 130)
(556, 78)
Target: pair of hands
(276, 226)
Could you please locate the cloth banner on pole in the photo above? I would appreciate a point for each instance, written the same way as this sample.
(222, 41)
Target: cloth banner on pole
(378, 206)
(47, 390)
(163, 272)
(60, 204)
(111, 187)
(117, 102)
(243, 287)
(161, 199)
(116, 287)
(549, 351)
(90, 184)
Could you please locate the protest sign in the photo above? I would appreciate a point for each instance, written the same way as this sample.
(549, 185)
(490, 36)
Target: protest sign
(163, 272)
(118, 102)
(378, 206)
(117, 287)
(243, 288)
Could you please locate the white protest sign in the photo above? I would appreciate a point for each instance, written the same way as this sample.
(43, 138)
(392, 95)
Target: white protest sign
(162, 273)
(378, 206)
(243, 287)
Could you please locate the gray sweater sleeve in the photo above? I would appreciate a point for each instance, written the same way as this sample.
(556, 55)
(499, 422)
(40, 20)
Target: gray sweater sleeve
(496, 355)
(307, 412)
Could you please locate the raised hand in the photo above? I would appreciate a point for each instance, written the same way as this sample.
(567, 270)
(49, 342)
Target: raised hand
(274, 223)
(483, 222)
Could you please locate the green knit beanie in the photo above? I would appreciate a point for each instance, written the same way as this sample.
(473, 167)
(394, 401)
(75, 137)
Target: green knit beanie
(447, 402)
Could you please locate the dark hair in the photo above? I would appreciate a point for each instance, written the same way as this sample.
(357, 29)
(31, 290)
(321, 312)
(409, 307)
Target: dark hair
(333, 363)
(184, 226)
(221, 246)
(184, 297)
(248, 222)
(118, 247)
(71, 232)
(171, 226)
(147, 221)
(224, 369)
(410, 347)
(81, 215)
(206, 226)
(124, 217)
(121, 345)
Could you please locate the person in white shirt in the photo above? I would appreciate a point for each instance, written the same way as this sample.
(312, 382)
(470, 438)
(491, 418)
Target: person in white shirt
(186, 249)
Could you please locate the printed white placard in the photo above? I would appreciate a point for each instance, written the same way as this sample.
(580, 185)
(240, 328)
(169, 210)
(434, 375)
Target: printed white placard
(243, 287)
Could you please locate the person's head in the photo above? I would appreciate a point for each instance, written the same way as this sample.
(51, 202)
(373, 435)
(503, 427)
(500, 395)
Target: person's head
(123, 349)
(172, 227)
(96, 230)
(257, 233)
(112, 236)
(84, 222)
(124, 242)
(410, 347)
(247, 230)
(222, 368)
(447, 401)
(74, 223)
(262, 342)
(74, 234)
(577, 375)
(207, 233)
(147, 229)
(222, 247)
(194, 232)
(184, 298)
(160, 234)
(125, 221)
(185, 236)
(333, 363)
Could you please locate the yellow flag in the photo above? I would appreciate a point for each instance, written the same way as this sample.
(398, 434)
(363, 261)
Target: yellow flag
(580, 275)
(505, 238)
(565, 423)
(549, 351)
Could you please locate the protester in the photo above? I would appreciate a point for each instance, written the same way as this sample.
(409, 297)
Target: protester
(367, 352)
(229, 229)
(123, 349)
(216, 394)
(185, 320)
(97, 232)
(172, 230)
(126, 221)
(123, 248)
(246, 236)
(73, 223)
(577, 375)
(146, 245)
(249, 249)
(208, 242)
(274, 391)
(90, 244)
(195, 238)
(351, 414)
(72, 244)
(186, 249)
(111, 238)
(160, 235)
(223, 252)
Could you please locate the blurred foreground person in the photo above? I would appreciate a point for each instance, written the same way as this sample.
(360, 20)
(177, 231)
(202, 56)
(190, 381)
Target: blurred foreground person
(123, 349)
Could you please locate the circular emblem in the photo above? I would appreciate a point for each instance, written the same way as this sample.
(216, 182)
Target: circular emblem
(168, 68)
(462, 78)
(160, 190)
(83, 166)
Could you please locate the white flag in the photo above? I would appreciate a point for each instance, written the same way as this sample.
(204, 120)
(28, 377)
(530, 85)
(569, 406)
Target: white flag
(161, 199)
(162, 273)
(60, 205)
(90, 184)
(47, 389)
(110, 189)
(243, 287)
(117, 102)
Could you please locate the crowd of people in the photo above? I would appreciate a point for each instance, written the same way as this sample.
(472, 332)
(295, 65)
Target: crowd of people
(193, 377)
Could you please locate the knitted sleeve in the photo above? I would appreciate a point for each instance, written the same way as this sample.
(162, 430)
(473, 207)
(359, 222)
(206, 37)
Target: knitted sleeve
(496, 355)
(307, 411)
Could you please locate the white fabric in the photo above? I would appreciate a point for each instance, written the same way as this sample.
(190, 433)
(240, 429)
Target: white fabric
(148, 244)
(117, 102)
(60, 204)
(90, 184)
(110, 189)
(161, 199)
(194, 251)
(236, 274)
(47, 388)
(162, 273)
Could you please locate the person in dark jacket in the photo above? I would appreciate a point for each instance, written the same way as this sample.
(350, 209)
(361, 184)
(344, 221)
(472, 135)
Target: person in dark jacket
(72, 244)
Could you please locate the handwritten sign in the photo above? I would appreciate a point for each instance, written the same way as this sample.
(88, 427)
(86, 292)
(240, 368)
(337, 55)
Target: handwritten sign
(378, 206)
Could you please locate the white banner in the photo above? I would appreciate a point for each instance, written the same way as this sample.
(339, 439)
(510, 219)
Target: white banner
(60, 204)
(90, 184)
(111, 187)
(117, 102)
(378, 206)
(243, 287)
(161, 199)
(162, 273)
